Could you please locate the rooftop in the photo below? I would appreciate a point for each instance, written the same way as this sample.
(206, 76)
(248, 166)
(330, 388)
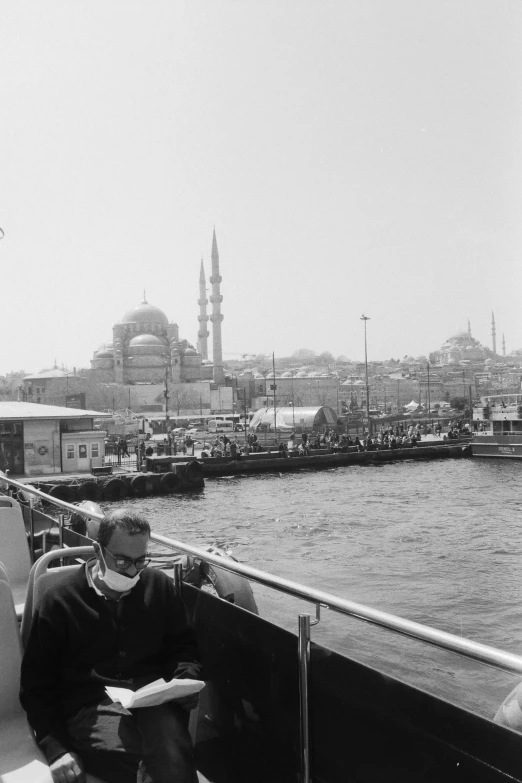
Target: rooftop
(32, 410)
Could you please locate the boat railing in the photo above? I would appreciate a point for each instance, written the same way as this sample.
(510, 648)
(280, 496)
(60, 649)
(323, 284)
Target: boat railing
(321, 600)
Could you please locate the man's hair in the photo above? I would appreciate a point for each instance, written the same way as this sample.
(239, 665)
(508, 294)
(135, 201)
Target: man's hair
(122, 519)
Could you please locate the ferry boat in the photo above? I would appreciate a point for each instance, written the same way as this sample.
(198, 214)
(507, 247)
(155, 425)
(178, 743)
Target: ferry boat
(277, 707)
(498, 427)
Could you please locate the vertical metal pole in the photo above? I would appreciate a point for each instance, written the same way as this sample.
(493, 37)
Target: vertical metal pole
(366, 318)
(178, 581)
(304, 696)
(31, 527)
(60, 534)
(275, 415)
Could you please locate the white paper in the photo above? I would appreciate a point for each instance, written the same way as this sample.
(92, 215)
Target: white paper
(155, 693)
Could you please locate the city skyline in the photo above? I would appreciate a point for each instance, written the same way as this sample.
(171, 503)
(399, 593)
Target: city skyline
(364, 158)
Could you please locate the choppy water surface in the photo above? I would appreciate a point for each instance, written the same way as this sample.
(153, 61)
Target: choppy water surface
(435, 542)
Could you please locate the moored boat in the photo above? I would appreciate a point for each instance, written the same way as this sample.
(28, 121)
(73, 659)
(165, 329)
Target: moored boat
(498, 427)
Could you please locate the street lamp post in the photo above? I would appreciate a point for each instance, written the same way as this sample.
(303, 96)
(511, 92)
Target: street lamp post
(429, 397)
(366, 318)
(167, 395)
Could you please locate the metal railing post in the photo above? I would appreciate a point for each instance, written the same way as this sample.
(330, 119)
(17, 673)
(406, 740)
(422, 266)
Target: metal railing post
(178, 577)
(303, 646)
(31, 528)
(60, 534)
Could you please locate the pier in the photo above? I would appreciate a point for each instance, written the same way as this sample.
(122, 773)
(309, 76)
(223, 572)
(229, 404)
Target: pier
(168, 475)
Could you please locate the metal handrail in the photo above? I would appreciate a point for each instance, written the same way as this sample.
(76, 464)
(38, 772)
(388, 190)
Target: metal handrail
(446, 641)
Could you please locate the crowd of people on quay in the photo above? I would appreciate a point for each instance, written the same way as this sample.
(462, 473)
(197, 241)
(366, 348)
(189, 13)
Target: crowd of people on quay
(392, 437)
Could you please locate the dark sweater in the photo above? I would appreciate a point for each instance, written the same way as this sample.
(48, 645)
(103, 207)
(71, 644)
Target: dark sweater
(80, 642)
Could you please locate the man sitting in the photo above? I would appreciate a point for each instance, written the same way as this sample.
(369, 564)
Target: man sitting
(113, 622)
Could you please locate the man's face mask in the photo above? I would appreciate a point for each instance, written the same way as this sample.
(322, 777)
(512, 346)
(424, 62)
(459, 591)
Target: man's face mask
(116, 581)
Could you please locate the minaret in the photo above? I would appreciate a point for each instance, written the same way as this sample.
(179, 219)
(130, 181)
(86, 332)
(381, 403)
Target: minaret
(503, 344)
(202, 317)
(493, 332)
(469, 328)
(216, 317)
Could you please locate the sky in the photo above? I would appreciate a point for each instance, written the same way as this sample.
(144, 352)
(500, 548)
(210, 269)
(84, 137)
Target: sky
(357, 156)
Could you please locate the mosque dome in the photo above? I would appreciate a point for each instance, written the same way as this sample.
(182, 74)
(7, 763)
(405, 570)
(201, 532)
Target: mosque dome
(460, 336)
(145, 313)
(286, 374)
(142, 340)
(104, 354)
(191, 351)
(301, 374)
(488, 361)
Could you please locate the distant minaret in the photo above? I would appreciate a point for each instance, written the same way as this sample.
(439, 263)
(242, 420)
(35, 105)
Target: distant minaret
(202, 317)
(493, 332)
(503, 344)
(469, 328)
(216, 317)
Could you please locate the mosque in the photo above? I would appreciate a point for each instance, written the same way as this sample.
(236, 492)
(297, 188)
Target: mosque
(147, 349)
(463, 348)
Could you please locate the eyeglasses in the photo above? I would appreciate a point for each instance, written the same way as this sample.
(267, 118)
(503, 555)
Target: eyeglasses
(126, 562)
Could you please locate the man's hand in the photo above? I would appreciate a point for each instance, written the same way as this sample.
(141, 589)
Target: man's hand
(68, 769)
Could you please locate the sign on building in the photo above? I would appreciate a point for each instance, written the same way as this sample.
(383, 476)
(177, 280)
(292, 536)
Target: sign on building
(75, 401)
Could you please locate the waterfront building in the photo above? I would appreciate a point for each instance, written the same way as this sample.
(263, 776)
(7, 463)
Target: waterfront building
(52, 386)
(38, 439)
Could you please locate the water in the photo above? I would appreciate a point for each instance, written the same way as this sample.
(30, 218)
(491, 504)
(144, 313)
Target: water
(436, 542)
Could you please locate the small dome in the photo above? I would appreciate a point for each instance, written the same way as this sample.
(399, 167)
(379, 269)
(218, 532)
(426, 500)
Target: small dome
(301, 374)
(145, 313)
(286, 374)
(104, 355)
(106, 347)
(145, 339)
(488, 361)
(191, 352)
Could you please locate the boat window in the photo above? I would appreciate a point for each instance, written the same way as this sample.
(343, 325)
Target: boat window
(516, 426)
(70, 451)
(497, 426)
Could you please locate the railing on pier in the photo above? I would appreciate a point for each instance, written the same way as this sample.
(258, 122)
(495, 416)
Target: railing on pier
(321, 600)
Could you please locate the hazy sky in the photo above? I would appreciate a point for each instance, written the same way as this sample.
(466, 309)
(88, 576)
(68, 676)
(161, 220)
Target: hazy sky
(354, 156)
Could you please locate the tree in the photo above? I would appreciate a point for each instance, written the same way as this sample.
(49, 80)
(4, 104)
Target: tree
(326, 358)
(459, 403)
(303, 354)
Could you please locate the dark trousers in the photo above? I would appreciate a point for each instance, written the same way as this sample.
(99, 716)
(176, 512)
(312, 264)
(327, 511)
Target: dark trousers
(113, 743)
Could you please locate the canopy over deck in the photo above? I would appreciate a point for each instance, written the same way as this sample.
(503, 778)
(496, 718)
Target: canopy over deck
(286, 419)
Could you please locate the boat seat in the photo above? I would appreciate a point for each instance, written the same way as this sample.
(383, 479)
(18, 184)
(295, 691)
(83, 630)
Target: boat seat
(15, 550)
(21, 761)
(41, 576)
